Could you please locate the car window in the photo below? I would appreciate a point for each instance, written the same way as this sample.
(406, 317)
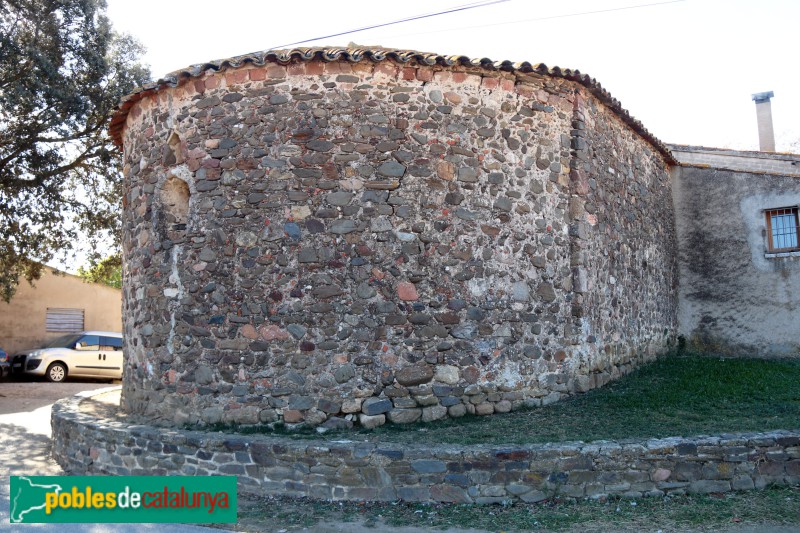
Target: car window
(64, 341)
(110, 343)
(88, 342)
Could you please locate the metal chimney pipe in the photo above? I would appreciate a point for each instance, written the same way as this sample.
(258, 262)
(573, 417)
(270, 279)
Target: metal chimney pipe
(766, 135)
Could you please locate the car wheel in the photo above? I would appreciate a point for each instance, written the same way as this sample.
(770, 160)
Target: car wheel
(56, 372)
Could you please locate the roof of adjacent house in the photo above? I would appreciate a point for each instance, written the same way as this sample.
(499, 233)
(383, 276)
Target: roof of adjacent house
(377, 54)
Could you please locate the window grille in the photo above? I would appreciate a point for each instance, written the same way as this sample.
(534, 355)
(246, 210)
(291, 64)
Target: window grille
(782, 229)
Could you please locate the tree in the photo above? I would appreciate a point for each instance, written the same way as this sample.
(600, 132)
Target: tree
(62, 74)
(107, 271)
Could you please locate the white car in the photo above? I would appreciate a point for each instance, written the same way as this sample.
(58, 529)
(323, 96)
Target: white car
(88, 354)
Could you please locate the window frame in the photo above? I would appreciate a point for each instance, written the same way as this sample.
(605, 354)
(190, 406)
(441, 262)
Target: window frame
(788, 210)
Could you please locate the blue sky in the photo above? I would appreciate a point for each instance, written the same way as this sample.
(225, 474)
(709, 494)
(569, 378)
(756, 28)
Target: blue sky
(686, 69)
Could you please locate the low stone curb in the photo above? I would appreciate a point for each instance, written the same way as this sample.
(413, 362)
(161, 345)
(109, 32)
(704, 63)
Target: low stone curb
(349, 470)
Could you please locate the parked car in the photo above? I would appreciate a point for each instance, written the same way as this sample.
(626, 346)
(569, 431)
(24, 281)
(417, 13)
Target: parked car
(88, 354)
(5, 364)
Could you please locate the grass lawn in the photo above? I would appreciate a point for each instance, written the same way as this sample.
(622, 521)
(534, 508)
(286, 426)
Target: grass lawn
(674, 396)
(688, 513)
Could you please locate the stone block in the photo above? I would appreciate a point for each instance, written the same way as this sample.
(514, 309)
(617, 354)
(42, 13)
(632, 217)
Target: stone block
(376, 406)
(428, 466)
(448, 374)
(485, 408)
(370, 422)
(705, 486)
(336, 423)
(414, 375)
(292, 416)
(414, 494)
(449, 494)
(503, 406)
(404, 402)
(492, 500)
(457, 410)
(404, 416)
(436, 412)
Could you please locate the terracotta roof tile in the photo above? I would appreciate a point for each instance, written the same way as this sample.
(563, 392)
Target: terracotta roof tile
(377, 54)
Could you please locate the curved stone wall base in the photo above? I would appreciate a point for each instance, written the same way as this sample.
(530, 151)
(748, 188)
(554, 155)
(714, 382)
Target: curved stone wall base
(348, 470)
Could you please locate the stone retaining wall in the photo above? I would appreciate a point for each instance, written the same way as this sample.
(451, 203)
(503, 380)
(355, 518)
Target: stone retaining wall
(347, 470)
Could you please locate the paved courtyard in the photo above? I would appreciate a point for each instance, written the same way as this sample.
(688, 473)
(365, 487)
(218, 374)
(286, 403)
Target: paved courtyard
(25, 449)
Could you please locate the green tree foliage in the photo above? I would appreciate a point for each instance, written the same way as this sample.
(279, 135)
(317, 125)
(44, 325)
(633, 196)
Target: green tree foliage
(107, 271)
(62, 74)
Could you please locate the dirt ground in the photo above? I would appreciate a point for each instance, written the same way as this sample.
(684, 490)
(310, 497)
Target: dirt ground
(25, 396)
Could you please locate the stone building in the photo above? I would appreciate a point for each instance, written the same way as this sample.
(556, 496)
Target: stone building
(339, 236)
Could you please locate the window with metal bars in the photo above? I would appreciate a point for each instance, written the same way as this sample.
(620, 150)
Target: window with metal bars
(782, 229)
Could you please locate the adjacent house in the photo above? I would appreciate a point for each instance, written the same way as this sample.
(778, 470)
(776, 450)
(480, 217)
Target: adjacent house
(56, 304)
(736, 216)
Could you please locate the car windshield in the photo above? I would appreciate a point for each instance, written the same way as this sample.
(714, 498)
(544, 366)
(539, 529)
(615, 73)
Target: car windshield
(66, 341)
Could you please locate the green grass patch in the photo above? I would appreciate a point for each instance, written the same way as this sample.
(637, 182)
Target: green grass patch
(674, 396)
(775, 506)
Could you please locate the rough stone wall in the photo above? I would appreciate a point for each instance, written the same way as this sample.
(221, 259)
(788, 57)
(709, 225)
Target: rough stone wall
(479, 474)
(367, 241)
(734, 298)
(623, 252)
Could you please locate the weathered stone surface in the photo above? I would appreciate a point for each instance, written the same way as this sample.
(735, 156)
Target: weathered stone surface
(447, 374)
(710, 485)
(269, 333)
(344, 373)
(352, 405)
(342, 226)
(546, 292)
(348, 224)
(370, 422)
(449, 494)
(392, 169)
(292, 416)
(404, 416)
(414, 375)
(203, 375)
(484, 408)
(458, 410)
(661, 474)
(427, 466)
(335, 423)
(407, 292)
(375, 406)
(435, 412)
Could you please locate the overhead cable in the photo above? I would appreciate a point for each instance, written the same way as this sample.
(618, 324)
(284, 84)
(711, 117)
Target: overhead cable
(455, 9)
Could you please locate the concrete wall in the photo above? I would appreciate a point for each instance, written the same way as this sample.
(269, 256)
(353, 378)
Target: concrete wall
(22, 321)
(734, 297)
